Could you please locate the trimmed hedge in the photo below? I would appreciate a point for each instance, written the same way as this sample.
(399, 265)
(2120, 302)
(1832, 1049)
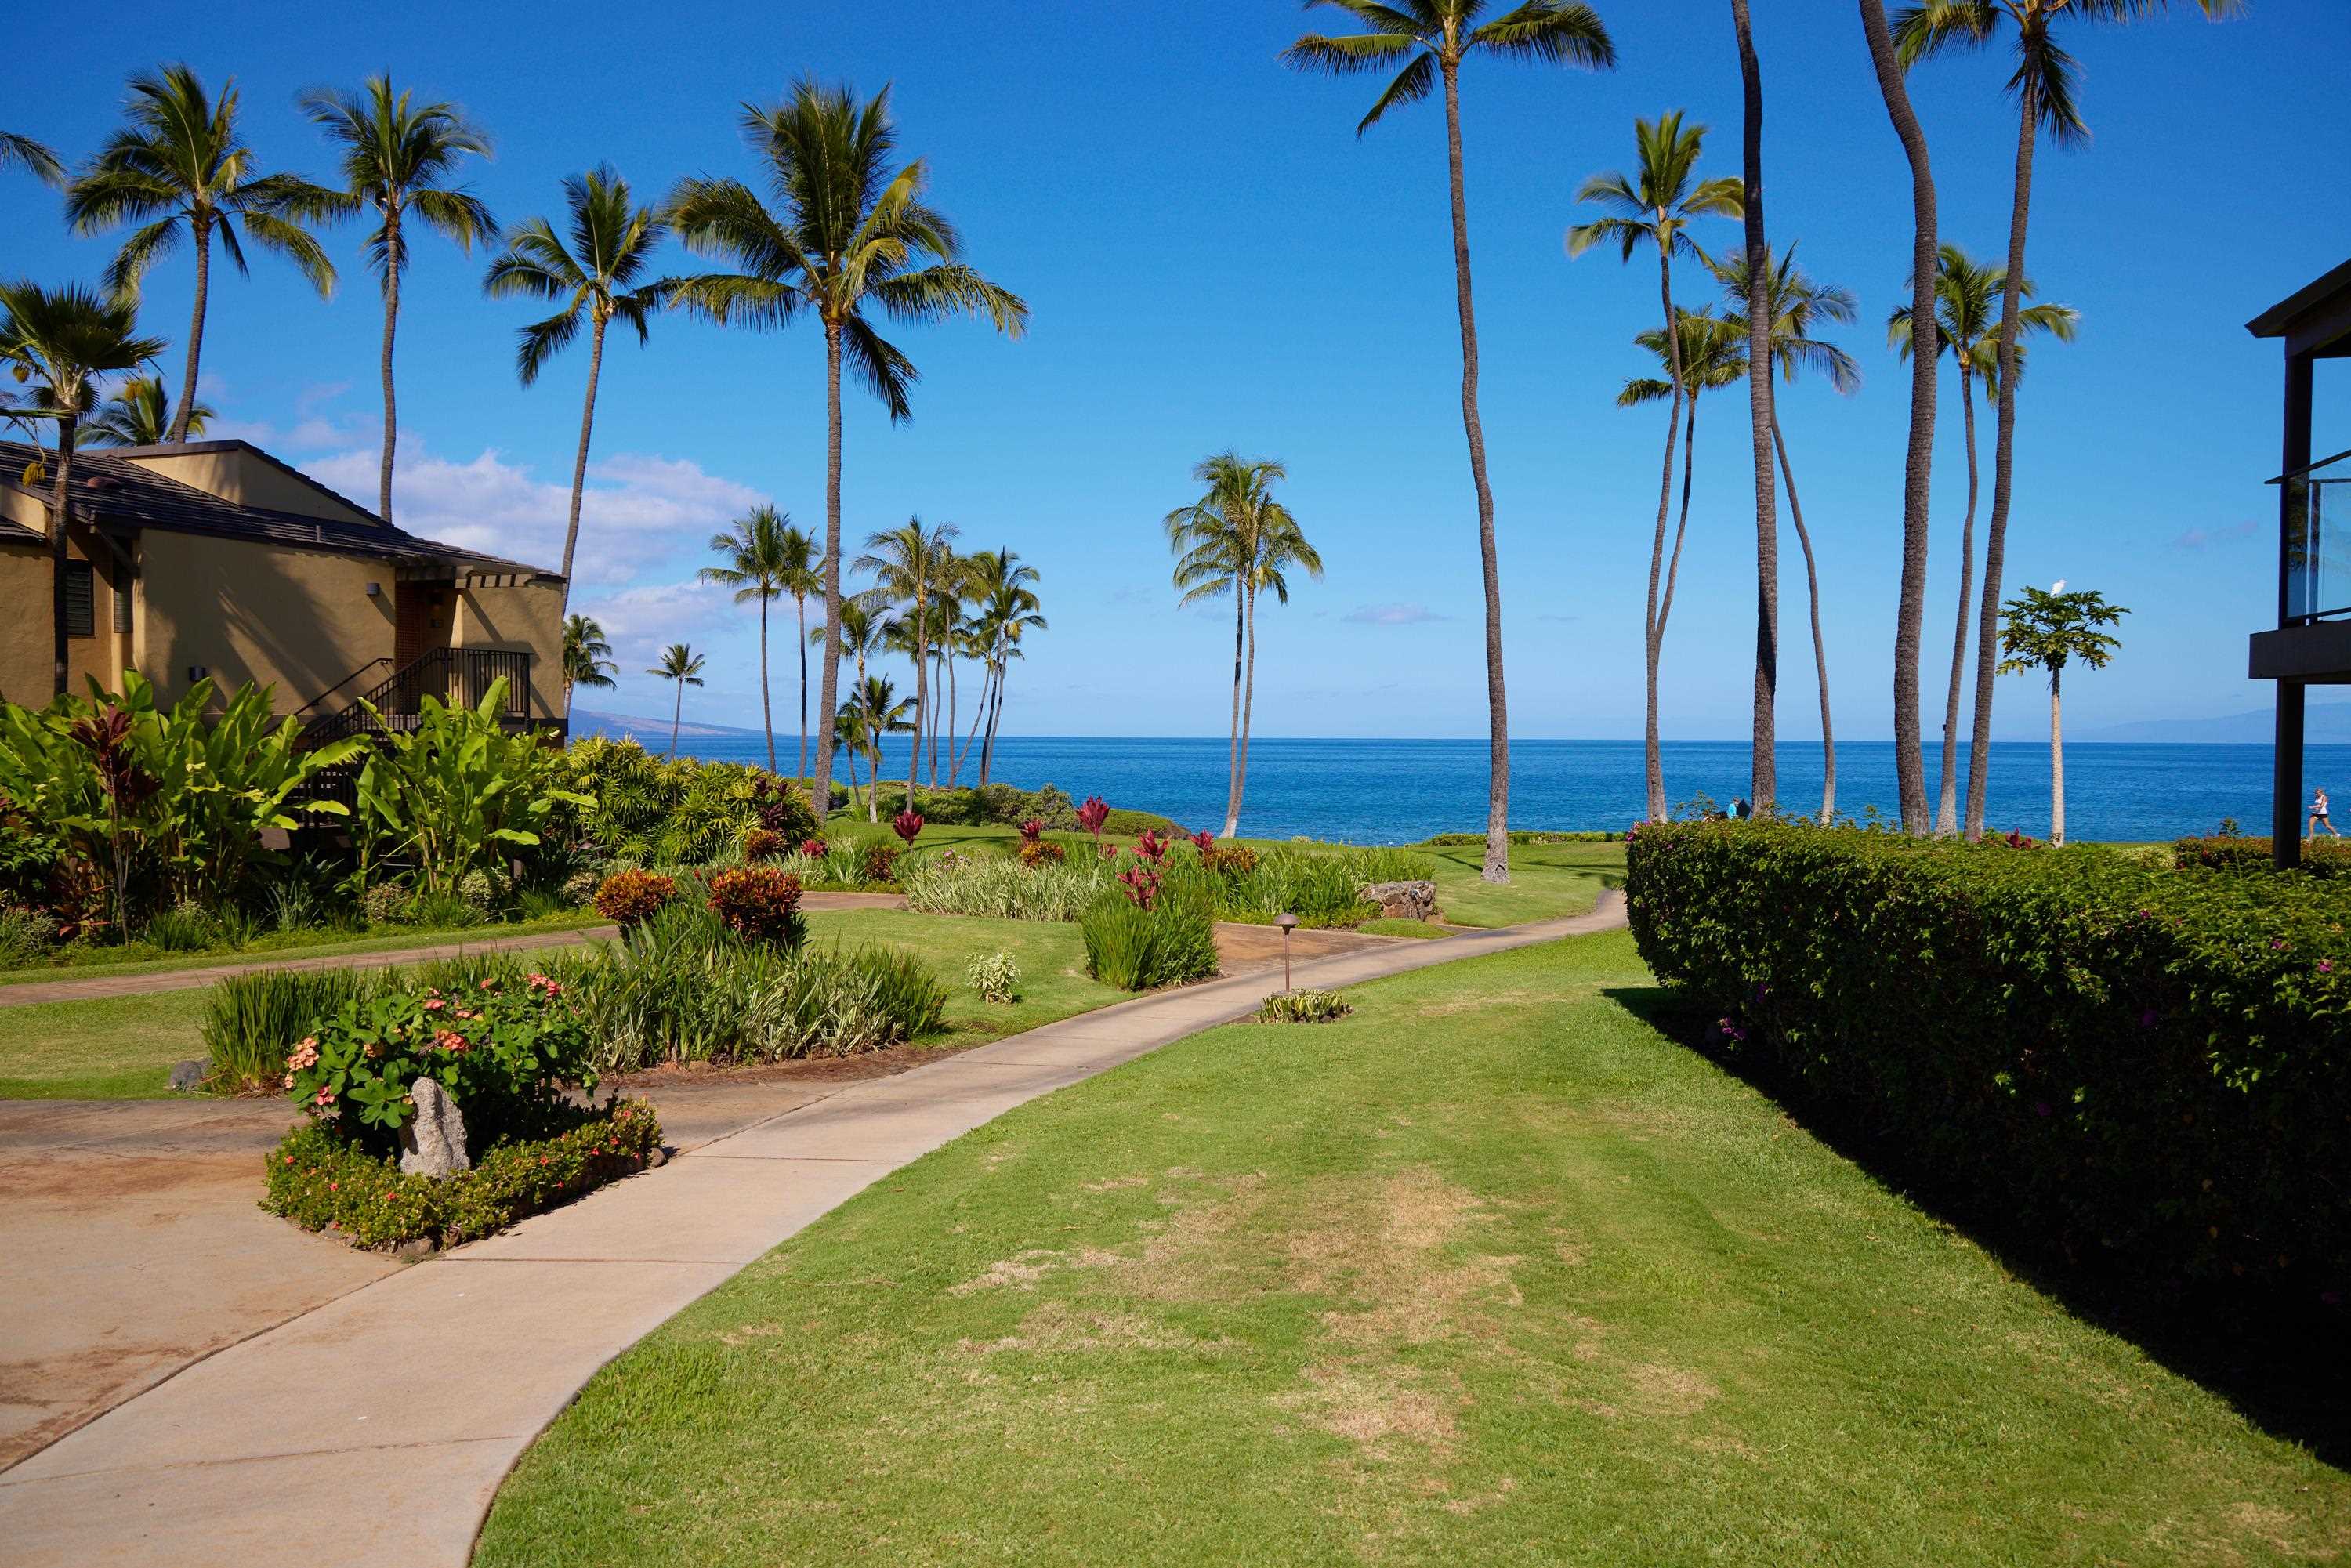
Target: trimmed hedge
(2320, 857)
(2115, 1058)
(322, 1180)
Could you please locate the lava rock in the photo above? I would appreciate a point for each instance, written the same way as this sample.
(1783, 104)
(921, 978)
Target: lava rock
(433, 1142)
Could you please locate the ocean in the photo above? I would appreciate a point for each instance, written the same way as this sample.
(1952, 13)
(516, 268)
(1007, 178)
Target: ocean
(1399, 792)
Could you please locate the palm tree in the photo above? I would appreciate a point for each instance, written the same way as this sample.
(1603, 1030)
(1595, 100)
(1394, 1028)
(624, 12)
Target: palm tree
(1963, 324)
(1755, 311)
(586, 656)
(684, 665)
(36, 158)
(2044, 83)
(611, 240)
(1001, 585)
(181, 169)
(2046, 630)
(1918, 472)
(796, 553)
(845, 233)
(756, 563)
(861, 635)
(140, 413)
(1657, 205)
(880, 712)
(70, 339)
(1794, 301)
(398, 156)
(909, 564)
(1430, 39)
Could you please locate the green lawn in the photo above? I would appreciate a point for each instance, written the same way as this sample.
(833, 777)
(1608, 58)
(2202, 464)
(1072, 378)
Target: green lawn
(293, 945)
(1546, 881)
(1490, 1272)
(122, 1048)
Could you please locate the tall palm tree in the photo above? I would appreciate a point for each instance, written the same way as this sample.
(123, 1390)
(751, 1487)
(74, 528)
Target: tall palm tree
(683, 664)
(755, 560)
(1655, 205)
(181, 169)
(1763, 419)
(1794, 301)
(36, 158)
(2045, 630)
(909, 564)
(1918, 470)
(2044, 85)
(612, 240)
(1430, 39)
(141, 413)
(1003, 587)
(397, 157)
(586, 656)
(1707, 353)
(69, 338)
(797, 553)
(845, 234)
(1964, 328)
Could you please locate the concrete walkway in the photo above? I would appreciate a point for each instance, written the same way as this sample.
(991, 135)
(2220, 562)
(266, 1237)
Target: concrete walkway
(377, 1429)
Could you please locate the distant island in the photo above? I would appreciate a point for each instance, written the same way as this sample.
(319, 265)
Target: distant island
(2325, 724)
(587, 721)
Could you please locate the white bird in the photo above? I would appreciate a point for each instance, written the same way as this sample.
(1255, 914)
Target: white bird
(2058, 586)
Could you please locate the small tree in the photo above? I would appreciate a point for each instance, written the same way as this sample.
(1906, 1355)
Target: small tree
(2044, 628)
(683, 664)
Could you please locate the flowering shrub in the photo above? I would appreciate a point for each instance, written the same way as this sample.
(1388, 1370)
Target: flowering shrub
(386, 903)
(321, 1180)
(907, 825)
(2118, 1061)
(502, 1051)
(1035, 853)
(628, 896)
(1092, 815)
(760, 843)
(814, 849)
(880, 864)
(759, 903)
(2320, 857)
(994, 976)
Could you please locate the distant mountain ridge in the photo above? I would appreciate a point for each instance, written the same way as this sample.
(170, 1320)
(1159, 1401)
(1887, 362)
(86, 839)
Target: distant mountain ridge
(2325, 724)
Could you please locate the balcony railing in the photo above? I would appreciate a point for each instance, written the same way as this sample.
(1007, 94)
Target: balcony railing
(455, 676)
(2315, 558)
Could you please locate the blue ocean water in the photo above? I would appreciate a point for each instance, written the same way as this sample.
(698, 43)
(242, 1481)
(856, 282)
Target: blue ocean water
(1399, 792)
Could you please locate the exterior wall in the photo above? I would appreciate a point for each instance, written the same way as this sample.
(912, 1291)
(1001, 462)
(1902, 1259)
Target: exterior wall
(26, 631)
(250, 479)
(298, 619)
(528, 617)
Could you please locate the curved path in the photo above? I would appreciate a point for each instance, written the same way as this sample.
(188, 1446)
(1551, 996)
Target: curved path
(377, 1429)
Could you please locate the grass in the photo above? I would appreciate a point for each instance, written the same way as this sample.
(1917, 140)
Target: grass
(122, 1048)
(293, 945)
(1489, 1272)
(1547, 881)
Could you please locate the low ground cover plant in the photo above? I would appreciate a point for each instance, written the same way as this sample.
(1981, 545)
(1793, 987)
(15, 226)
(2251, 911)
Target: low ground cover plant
(2126, 1065)
(1303, 1007)
(993, 977)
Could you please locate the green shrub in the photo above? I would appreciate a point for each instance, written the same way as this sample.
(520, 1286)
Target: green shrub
(579, 889)
(1303, 1007)
(480, 892)
(2111, 1060)
(2320, 857)
(1139, 950)
(877, 864)
(27, 937)
(387, 903)
(993, 977)
(253, 1021)
(322, 1180)
(443, 911)
(759, 903)
(182, 928)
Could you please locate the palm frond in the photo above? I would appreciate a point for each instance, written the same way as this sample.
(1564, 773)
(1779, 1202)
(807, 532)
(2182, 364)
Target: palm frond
(1556, 32)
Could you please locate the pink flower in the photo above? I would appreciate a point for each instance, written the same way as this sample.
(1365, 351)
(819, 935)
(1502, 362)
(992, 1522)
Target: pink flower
(449, 1039)
(489, 985)
(305, 1053)
(325, 1096)
(434, 1004)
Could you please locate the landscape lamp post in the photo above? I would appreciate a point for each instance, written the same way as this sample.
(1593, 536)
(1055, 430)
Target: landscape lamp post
(1287, 923)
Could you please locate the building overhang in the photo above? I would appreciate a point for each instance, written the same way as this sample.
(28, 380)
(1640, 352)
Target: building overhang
(2318, 654)
(2314, 321)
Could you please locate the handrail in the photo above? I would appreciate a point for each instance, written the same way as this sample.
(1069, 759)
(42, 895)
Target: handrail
(469, 671)
(339, 686)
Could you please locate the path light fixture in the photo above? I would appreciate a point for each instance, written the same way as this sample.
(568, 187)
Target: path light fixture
(1288, 923)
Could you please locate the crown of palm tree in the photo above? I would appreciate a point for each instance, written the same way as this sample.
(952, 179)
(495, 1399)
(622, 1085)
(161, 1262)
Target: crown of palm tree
(1967, 316)
(911, 562)
(881, 710)
(587, 655)
(1795, 301)
(140, 415)
(34, 157)
(1433, 37)
(397, 157)
(1237, 535)
(181, 169)
(1714, 354)
(68, 337)
(861, 628)
(758, 559)
(611, 242)
(844, 231)
(1657, 201)
(679, 663)
(2044, 68)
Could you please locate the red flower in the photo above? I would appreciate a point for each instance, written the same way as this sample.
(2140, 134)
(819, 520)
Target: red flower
(907, 825)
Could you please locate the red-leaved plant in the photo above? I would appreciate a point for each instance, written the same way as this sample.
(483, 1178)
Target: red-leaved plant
(815, 849)
(1203, 841)
(1152, 845)
(1141, 880)
(1092, 815)
(1033, 828)
(907, 825)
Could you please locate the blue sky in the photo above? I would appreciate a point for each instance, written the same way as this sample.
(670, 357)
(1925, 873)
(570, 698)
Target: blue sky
(1214, 259)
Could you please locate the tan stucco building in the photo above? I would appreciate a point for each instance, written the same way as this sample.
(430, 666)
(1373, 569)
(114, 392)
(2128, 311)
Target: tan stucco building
(211, 558)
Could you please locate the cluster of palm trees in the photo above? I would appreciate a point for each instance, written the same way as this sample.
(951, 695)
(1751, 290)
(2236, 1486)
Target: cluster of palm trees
(937, 608)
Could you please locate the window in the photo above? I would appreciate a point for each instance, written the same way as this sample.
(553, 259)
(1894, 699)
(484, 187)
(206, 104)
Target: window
(122, 587)
(80, 611)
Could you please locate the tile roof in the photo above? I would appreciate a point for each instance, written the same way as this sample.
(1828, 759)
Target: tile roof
(129, 496)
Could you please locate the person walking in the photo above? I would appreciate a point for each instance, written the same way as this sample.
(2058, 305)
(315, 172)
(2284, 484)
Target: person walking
(2318, 817)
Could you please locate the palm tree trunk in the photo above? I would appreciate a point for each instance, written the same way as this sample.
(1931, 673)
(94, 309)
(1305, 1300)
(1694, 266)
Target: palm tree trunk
(1681, 528)
(967, 751)
(60, 516)
(1820, 645)
(2004, 453)
(800, 602)
(1946, 812)
(767, 709)
(203, 226)
(1233, 749)
(580, 471)
(1910, 762)
(2056, 761)
(1763, 787)
(995, 718)
(828, 687)
(1248, 714)
(676, 713)
(1653, 627)
(1497, 868)
(390, 326)
(922, 698)
(955, 719)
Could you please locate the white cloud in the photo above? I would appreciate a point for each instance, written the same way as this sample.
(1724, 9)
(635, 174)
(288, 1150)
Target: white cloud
(641, 621)
(1393, 615)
